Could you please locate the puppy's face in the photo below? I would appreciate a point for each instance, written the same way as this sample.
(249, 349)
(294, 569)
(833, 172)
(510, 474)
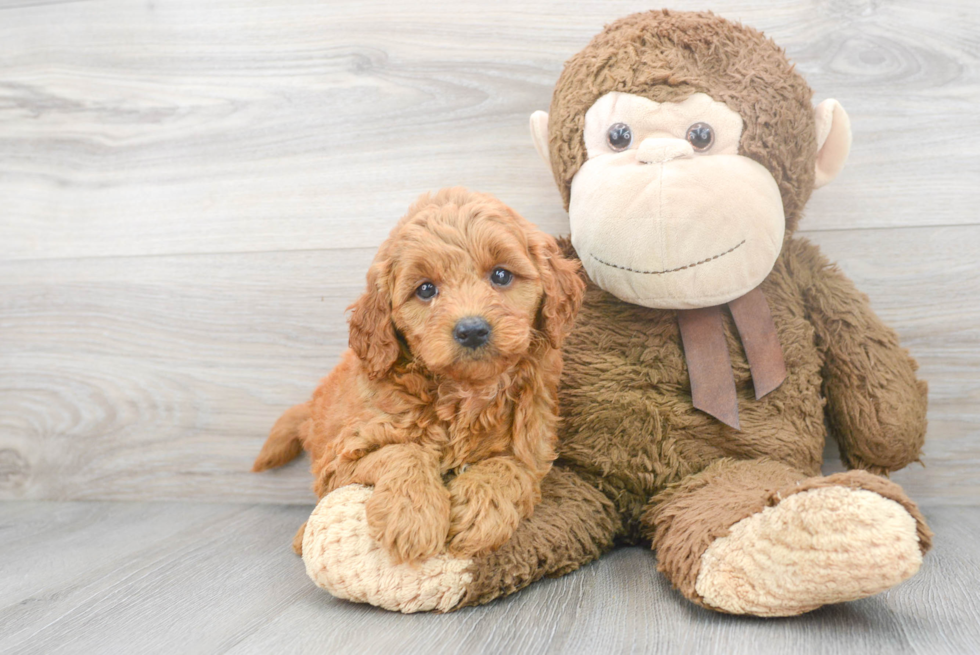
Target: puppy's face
(467, 281)
(465, 292)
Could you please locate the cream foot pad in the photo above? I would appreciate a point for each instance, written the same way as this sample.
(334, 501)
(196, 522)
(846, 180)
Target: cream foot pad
(821, 546)
(342, 558)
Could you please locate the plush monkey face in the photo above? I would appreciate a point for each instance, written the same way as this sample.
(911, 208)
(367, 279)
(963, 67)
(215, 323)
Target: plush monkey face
(665, 212)
(682, 169)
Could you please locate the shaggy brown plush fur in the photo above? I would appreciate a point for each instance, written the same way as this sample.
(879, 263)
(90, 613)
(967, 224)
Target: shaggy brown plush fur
(410, 404)
(629, 431)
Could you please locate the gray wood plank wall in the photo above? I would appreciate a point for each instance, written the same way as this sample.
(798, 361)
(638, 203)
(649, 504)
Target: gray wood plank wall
(190, 194)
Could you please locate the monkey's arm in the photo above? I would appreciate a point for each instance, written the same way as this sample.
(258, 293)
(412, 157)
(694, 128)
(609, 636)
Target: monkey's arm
(875, 404)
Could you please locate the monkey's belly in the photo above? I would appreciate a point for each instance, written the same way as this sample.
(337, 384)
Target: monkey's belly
(628, 424)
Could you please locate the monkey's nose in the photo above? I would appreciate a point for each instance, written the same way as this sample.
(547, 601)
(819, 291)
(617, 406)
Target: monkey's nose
(471, 331)
(658, 151)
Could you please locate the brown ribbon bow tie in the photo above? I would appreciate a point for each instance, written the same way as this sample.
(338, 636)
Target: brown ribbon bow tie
(708, 363)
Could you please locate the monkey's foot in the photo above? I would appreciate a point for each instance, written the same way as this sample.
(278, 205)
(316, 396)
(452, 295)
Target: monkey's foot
(342, 558)
(821, 546)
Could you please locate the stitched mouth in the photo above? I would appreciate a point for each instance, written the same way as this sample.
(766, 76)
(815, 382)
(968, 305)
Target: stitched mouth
(672, 270)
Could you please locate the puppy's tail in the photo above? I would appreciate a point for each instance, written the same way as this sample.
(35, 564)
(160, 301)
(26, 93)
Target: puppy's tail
(285, 441)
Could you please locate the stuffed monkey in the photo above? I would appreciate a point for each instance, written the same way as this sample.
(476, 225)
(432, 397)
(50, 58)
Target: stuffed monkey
(713, 351)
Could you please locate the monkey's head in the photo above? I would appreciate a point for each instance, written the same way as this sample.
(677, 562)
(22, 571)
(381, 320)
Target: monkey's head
(685, 147)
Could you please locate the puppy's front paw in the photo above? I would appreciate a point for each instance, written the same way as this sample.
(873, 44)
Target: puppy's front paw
(481, 520)
(342, 558)
(411, 527)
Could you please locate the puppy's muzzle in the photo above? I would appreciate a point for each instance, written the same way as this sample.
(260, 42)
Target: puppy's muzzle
(471, 332)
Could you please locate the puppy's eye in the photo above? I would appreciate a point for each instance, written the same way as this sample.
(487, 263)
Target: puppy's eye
(501, 277)
(426, 291)
(700, 136)
(619, 137)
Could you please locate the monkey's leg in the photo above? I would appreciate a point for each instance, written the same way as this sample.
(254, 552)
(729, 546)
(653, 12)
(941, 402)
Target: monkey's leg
(572, 525)
(758, 537)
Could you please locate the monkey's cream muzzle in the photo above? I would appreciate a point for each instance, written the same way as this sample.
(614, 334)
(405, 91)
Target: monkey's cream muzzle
(658, 151)
(660, 224)
(677, 232)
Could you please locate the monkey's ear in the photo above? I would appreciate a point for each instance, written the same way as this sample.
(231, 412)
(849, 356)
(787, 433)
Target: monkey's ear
(833, 141)
(539, 134)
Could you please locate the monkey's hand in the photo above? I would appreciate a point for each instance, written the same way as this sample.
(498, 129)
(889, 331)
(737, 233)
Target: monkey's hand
(875, 404)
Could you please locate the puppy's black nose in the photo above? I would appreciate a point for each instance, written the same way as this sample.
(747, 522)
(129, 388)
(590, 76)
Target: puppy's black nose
(471, 331)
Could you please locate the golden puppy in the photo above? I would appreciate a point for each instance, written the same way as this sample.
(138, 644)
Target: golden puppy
(446, 401)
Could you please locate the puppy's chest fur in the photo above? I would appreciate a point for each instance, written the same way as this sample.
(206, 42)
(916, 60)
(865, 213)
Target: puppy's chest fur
(466, 424)
(476, 424)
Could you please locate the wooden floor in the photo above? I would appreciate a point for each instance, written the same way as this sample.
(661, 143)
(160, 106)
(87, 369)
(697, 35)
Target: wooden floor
(190, 194)
(99, 577)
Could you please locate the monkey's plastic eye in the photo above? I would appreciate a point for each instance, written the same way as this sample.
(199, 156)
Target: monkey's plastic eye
(501, 277)
(619, 136)
(426, 291)
(700, 136)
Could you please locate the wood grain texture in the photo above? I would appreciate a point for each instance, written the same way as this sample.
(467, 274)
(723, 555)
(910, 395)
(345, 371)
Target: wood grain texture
(165, 577)
(158, 377)
(191, 193)
(178, 126)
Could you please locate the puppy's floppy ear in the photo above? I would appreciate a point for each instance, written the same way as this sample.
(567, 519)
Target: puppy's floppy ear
(372, 332)
(563, 288)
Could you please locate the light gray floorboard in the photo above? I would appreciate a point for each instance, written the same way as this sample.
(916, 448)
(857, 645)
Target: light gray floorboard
(89, 577)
